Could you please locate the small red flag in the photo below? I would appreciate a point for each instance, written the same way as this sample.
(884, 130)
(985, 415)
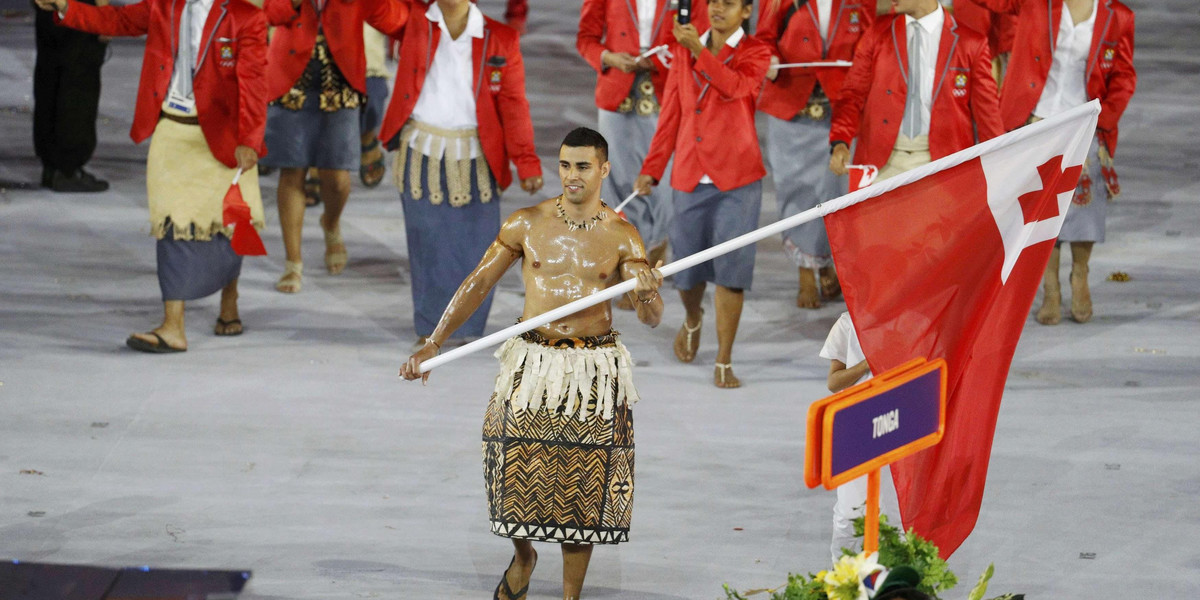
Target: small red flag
(245, 241)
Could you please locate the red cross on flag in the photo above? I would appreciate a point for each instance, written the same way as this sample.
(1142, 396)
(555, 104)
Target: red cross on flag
(944, 262)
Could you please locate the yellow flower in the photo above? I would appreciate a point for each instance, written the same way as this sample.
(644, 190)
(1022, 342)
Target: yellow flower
(844, 582)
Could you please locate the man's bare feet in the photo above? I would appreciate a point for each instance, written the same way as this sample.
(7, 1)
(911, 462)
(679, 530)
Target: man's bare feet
(723, 376)
(830, 286)
(808, 296)
(335, 249)
(687, 341)
(1081, 296)
(515, 583)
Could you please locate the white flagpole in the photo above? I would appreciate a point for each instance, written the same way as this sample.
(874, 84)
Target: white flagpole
(1091, 109)
(826, 63)
(631, 196)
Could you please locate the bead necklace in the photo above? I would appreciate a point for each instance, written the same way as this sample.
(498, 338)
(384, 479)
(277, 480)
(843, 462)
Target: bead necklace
(574, 225)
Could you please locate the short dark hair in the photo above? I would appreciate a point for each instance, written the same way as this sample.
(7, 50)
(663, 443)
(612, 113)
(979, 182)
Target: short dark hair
(582, 137)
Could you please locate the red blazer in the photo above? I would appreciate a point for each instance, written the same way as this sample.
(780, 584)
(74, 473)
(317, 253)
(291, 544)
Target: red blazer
(799, 40)
(612, 25)
(707, 118)
(296, 34)
(231, 98)
(965, 103)
(501, 109)
(1110, 74)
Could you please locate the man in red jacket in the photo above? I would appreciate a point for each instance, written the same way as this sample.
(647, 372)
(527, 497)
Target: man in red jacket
(707, 123)
(203, 98)
(921, 88)
(1065, 53)
(316, 85)
(796, 101)
(458, 117)
(613, 34)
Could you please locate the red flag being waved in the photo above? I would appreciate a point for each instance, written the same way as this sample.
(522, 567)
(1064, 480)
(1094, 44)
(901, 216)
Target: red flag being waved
(946, 265)
(245, 240)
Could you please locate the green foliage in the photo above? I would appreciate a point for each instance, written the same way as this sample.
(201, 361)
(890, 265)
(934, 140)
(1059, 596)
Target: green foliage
(799, 587)
(981, 588)
(897, 548)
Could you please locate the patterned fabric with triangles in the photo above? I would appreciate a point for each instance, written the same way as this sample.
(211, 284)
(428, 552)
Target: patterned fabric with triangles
(554, 477)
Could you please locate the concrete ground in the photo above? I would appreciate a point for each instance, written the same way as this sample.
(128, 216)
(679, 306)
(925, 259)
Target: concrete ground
(294, 450)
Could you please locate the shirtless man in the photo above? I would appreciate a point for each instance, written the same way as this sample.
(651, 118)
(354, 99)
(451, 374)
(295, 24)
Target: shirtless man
(558, 447)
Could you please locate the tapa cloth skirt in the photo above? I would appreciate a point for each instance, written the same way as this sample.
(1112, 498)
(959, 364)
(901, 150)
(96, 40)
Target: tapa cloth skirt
(558, 443)
(186, 185)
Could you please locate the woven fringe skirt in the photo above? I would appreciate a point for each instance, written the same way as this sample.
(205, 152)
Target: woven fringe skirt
(558, 441)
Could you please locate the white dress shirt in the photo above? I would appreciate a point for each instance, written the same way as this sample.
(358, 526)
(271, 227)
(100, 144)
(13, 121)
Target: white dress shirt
(645, 22)
(842, 344)
(1065, 87)
(824, 14)
(447, 98)
(732, 42)
(181, 99)
(931, 37)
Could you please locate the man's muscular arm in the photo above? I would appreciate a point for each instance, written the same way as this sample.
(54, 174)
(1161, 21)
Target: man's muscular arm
(646, 299)
(474, 289)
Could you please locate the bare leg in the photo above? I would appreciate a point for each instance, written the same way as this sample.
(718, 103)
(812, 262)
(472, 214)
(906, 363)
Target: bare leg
(517, 576)
(575, 565)
(1051, 311)
(830, 286)
(228, 321)
(291, 220)
(335, 190)
(729, 313)
(808, 296)
(171, 330)
(687, 341)
(1081, 296)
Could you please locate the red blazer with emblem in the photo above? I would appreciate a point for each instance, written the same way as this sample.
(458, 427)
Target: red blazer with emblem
(230, 90)
(795, 36)
(296, 33)
(707, 118)
(1110, 75)
(965, 103)
(501, 108)
(612, 25)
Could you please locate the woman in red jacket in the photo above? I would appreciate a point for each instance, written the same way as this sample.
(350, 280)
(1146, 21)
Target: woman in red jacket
(1067, 52)
(316, 84)
(707, 123)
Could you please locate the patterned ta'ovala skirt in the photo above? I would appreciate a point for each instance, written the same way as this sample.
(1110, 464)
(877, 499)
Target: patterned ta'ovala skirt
(558, 440)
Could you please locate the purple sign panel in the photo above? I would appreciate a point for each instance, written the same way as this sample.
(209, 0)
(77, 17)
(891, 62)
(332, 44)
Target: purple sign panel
(876, 426)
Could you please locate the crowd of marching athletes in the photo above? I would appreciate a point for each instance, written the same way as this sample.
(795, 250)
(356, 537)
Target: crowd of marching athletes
(229, 87)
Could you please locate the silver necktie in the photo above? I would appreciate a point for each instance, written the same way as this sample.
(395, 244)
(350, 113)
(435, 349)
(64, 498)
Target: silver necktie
(913, 113)
(185, 60)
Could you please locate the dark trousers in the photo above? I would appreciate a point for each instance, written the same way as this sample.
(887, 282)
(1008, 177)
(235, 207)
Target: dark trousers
(66, 94)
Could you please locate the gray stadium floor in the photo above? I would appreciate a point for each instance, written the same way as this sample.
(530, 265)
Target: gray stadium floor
(294, 450)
